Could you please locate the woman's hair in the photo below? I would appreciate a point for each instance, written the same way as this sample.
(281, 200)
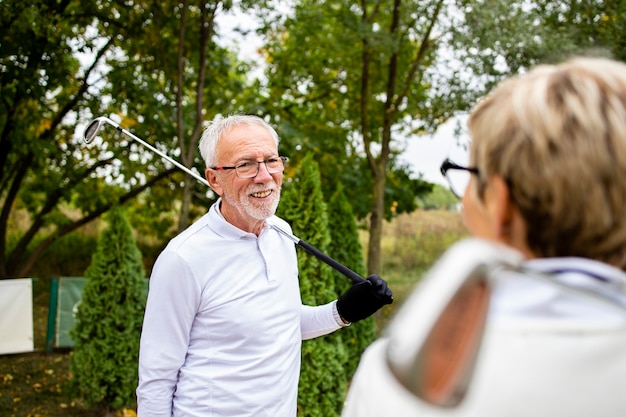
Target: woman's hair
(213, 133)
(557, 136)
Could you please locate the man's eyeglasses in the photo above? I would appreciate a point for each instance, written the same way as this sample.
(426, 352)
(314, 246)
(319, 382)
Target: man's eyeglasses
(458, 177)
(250, 169)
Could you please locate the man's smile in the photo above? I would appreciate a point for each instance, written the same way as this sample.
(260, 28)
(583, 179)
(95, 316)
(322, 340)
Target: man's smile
(261, 194)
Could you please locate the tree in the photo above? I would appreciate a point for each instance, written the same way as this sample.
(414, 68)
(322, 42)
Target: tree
(323, 379)
(109, 319)
(501, 38)
(371, 75)
(363, 82)
(40, 83)
(65, 62)
(351, 79)
(46, 175)
(183, 77)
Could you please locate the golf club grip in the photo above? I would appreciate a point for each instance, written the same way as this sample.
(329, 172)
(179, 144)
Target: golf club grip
(353, 276)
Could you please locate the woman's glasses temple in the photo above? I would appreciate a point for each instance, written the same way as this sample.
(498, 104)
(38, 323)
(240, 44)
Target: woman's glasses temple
(448, 165)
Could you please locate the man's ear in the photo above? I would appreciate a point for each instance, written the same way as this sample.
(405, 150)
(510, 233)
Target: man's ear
(214, 181)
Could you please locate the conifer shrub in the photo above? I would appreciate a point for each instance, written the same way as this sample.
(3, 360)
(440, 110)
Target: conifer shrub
(323, 377)
(108, 320)
(345, 246)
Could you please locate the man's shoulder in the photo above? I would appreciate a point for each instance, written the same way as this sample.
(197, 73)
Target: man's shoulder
(197, 230)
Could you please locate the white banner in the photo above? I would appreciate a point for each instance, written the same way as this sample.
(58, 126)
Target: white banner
(16, 315)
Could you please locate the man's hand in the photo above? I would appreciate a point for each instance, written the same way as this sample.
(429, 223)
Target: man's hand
(364, 299)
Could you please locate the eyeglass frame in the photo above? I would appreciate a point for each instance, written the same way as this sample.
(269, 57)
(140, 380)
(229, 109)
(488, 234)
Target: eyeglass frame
(227, 168)
(447, 165)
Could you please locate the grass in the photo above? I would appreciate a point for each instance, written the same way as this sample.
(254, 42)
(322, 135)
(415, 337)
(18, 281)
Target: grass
(410, 244)
(34, 384)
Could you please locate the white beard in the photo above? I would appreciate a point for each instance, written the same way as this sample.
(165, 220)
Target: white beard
(256, 211)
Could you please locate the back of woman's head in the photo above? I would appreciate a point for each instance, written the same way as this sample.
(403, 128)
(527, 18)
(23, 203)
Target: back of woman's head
(557, 135)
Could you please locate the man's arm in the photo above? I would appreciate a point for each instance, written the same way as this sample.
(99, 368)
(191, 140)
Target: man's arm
(171, 307)
(319, 320)
(359, 302)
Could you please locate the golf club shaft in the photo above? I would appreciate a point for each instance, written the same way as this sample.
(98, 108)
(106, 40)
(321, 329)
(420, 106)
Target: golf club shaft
(96, 124)
(310, 249)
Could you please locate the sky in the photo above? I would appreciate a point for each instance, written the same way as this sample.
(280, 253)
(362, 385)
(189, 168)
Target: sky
(426, 153)
(423, 153)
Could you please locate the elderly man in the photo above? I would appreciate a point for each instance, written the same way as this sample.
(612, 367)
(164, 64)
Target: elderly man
(224, 321)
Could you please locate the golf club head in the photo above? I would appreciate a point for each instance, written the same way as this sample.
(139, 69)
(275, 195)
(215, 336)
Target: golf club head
(435, 338)
(94, 128)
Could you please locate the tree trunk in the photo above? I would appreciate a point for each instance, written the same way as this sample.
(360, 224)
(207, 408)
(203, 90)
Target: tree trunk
(377, 215)
(183, 219)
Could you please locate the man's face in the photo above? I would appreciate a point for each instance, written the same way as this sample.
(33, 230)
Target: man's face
(246, 202)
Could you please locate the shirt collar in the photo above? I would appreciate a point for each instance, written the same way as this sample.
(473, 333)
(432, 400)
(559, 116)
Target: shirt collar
(217, 223)
(579, 266)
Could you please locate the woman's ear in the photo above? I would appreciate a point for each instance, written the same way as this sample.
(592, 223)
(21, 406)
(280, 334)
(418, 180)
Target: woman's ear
(499, 205)
(214, 181)
(508, 224)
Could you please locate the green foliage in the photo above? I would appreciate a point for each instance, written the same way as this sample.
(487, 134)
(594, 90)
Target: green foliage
(40, 83)
(175, 53)
(345, 246)
(323, 378)
(367, 84)
(302, 205)
(440, 198)
(69, 256)
(64, 63)
(109, 319)
(319, 99)
(402, 192)
(499, 38)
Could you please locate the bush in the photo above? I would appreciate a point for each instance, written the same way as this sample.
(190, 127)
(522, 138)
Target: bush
(323, 378)
(109, 319)
(346, 248)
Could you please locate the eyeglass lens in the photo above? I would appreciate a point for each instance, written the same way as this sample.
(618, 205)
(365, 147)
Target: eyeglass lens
(458, 180)
(251, 169)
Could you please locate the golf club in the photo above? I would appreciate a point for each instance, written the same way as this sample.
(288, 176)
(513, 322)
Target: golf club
(97, 124)
(435, 337)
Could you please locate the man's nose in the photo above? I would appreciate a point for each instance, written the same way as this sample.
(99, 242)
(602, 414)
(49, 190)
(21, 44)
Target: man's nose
(263, 174)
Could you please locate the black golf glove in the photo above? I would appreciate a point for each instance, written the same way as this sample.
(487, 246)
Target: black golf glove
(364, 299)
